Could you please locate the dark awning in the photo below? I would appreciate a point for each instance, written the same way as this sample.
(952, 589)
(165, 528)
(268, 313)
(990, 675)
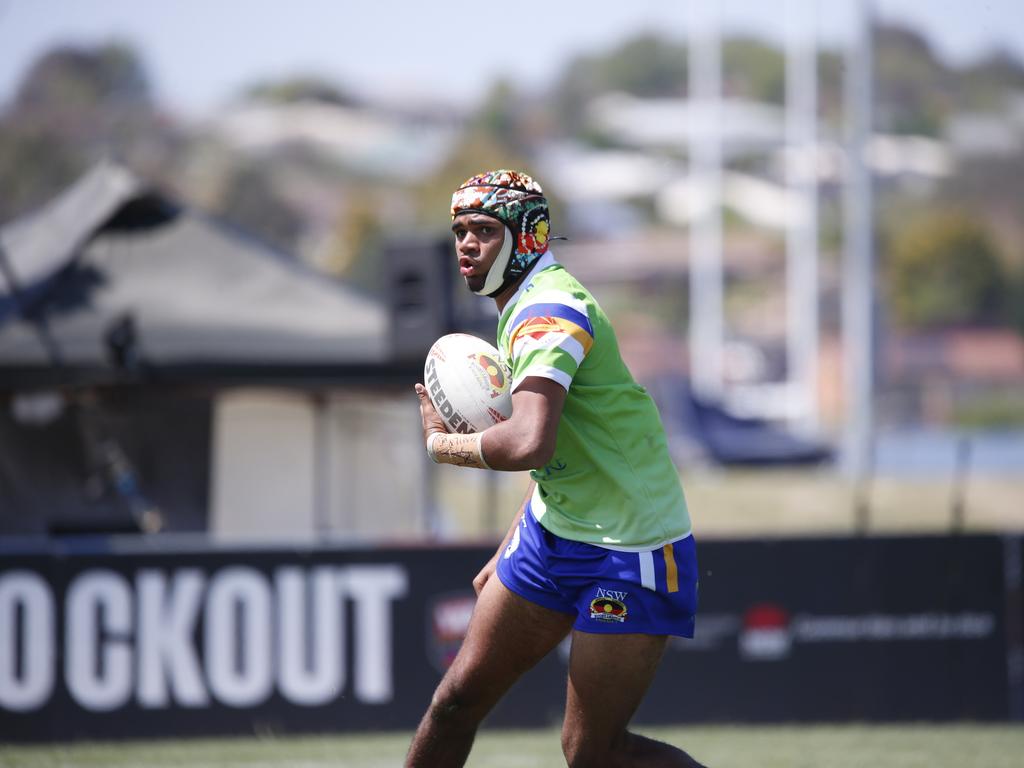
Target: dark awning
(113, 275)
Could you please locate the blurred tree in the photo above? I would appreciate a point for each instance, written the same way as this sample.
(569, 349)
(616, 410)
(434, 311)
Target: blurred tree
(497, 116)
(74, 106)
(913, 88)
(915, 91)
(476, 152)
(646, 65)
(943, 269)
(353, 249)
(993, 189)
(753, 69)
(987, 84)
(831, 71)
(73, 79)
(300, 88)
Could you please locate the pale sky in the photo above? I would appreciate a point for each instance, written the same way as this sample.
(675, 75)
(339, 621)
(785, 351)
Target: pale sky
(200, 53)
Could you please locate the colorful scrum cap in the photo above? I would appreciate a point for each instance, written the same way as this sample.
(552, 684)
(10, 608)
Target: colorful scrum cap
(518, 202)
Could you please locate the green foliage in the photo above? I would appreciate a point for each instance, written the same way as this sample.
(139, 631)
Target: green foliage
(831, 71)
(646, 65)
(943, 269)
(754, 69)
(477, 152)
(76, 105)
(300, 88)
(912, 86)
(985, 85)
(498, 116)
(70, 78)
(1002, 411)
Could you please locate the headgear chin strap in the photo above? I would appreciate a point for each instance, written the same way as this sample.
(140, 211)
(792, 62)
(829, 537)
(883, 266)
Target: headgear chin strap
(518, 202)
(495, 281)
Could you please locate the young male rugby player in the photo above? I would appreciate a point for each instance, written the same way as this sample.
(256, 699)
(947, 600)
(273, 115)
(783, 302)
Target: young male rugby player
(602, 545)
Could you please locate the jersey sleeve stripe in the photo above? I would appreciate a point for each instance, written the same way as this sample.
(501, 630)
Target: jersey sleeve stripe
(553, 310)
(556, 296)
(575, 342)
(544, 372)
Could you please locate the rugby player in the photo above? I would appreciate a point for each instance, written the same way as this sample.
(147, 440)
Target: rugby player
(602, 546)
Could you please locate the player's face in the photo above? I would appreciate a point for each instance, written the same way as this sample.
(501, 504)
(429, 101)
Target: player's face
(478, 240)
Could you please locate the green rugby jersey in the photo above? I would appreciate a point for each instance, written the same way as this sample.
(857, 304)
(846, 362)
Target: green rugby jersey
(611, 481)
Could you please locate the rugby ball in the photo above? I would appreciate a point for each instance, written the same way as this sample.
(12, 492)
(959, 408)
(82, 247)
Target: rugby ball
(467, 383)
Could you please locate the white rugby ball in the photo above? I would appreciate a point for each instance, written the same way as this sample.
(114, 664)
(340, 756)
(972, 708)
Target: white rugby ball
(467, 383)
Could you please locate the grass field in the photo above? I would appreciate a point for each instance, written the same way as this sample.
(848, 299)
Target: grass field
(851, 746)
(740, 503)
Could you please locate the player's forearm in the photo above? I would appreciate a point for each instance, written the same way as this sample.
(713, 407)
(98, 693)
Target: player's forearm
(505, 446)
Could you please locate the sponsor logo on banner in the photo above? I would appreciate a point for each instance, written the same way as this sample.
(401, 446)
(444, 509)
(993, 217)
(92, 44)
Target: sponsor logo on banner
(769, 633)
(449, 620)
(765, 634)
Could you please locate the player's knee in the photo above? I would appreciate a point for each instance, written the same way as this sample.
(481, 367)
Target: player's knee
(454, 704)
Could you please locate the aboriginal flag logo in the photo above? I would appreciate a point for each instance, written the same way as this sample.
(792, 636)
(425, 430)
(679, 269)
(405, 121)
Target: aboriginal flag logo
(607, 609)
(495, 373)
(534, 230)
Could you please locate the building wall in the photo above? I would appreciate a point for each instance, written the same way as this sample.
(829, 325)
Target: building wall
(295, 464)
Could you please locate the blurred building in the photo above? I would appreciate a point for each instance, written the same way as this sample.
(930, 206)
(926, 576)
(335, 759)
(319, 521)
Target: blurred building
(161, 370)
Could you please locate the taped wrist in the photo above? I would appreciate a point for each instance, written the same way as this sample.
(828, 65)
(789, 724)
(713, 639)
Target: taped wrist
(458, 449)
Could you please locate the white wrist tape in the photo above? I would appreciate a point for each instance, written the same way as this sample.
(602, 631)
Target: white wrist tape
(460, 450)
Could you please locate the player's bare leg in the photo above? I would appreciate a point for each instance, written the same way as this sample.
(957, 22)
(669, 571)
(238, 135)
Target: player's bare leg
(507, 635)
(608, 676)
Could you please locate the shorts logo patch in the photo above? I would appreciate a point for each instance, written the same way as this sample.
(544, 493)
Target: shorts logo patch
(609, 605)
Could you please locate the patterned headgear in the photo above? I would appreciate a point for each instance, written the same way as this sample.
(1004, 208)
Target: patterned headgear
(518, 202)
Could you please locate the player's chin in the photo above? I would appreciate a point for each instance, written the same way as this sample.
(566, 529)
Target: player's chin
(475, 282)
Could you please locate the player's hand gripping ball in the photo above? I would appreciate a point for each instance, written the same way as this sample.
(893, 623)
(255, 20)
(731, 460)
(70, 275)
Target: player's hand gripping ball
(467, 383)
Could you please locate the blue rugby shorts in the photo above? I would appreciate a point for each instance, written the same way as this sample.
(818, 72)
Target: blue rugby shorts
(652, 592)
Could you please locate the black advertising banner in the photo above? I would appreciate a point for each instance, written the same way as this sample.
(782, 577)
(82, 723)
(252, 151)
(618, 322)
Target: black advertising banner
(883, 629)
(140, 642)
(1014, 579)
(148, 644)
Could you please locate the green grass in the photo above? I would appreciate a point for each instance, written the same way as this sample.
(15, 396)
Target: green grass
(850, 746)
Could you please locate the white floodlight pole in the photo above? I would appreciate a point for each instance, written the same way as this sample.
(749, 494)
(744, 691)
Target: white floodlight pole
(858, 253)
(802, 317)
(707, 322)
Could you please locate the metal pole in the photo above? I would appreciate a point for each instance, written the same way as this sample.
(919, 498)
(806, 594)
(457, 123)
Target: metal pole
(323, 460)
(802, 229)
(858, 256)
(961, 475)
(707, 325)
(39, 320)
